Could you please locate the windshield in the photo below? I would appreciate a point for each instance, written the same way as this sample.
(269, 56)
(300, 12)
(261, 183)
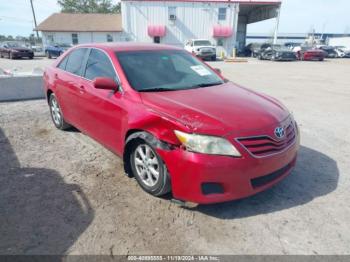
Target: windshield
(168, 70)
(13, 44)
(202, 43)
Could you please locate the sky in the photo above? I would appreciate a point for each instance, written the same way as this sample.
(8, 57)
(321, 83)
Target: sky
(297, 16)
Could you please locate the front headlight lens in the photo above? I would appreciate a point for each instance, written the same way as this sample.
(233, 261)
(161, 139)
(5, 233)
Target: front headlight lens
(211, 145)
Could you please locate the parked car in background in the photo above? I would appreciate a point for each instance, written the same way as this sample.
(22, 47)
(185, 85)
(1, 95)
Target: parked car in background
(13, 49)
(153, 105)
(56, 50)
(259, 49)
(201, 48)
(309, 53)
(330, 51)
(249, 49)
(344, 50)
(291, 45)
(277, 53)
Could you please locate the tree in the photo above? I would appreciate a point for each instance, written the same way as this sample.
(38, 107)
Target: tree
(88, 6)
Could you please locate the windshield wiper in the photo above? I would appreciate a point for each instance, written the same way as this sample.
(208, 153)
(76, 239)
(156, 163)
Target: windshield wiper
(206, 85)
(157, 89)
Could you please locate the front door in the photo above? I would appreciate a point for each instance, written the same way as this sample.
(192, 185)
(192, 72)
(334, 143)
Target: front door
(101, 111)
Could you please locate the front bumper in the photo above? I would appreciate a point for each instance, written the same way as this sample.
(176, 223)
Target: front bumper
(205, 55)
(22, 54)
(193, 175)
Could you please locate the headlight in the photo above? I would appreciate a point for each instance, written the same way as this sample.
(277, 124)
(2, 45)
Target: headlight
(207, 144)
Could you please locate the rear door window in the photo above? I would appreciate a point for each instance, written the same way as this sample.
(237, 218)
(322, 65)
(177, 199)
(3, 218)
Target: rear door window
(75, 61)
(63, 63)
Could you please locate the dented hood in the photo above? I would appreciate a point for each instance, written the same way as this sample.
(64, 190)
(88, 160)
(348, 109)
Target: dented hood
(217, 110)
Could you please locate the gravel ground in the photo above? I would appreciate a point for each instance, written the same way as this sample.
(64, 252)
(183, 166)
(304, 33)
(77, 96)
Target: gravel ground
(61, 192)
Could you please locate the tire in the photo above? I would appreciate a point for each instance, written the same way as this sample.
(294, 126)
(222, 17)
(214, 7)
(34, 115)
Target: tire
(56, 114)
(48, 55)
(213, 58)
(321, 59)
(260, 57)
(31, 57)
(149, 169)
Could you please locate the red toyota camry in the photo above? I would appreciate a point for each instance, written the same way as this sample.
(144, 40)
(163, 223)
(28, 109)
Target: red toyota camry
(177, 123)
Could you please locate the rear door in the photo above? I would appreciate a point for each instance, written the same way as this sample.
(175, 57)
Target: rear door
(68, 84)
(101, 110)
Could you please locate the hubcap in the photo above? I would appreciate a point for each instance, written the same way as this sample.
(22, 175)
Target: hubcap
(146, 164)
(56, 112)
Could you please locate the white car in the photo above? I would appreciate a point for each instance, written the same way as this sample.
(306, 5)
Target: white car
(201, 48)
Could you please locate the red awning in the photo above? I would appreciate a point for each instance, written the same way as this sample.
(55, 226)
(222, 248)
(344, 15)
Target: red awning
(222, 31)
(156, 30)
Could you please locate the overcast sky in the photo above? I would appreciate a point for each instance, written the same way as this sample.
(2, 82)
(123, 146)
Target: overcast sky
(298, 16)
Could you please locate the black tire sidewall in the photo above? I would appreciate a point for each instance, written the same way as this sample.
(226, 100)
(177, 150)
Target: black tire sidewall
(162, 182)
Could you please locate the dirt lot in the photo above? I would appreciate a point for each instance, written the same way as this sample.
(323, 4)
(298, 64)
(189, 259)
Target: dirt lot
(61, 192)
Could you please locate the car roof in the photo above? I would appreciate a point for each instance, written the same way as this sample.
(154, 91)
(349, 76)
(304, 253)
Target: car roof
(129, 46)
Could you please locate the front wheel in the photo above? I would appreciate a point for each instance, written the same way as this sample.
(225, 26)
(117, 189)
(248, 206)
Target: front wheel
(149, 169)
(48, 55)
(56, 114)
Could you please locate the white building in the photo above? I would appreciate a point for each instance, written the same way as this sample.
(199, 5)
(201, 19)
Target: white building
(174, 22)
(81, 28)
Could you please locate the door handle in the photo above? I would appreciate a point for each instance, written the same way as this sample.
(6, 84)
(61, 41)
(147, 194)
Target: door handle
(81, 89)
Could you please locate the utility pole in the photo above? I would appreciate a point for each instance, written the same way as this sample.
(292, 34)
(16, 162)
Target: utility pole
(37, 33)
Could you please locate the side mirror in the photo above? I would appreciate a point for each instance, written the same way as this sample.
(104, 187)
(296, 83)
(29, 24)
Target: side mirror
(105, 83)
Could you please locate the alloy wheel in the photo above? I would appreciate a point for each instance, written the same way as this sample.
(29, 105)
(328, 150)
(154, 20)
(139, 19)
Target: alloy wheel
(56, 112)
(147, 165)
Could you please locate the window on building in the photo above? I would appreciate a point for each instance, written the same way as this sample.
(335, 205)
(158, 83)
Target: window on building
(75, 61)
(222, 13)
(50, 39)
(99, 65)
(75, 39)
(172, 12)
(109, 38)
(156, 39)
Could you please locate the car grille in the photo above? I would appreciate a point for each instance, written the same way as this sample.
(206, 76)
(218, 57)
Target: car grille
(264, 180)
(264, 145)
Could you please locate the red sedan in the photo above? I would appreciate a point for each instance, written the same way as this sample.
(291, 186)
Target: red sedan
(311, 54)
(177, 123)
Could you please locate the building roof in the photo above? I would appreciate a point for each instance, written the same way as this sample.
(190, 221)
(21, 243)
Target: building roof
(64, 22)
(253, 2)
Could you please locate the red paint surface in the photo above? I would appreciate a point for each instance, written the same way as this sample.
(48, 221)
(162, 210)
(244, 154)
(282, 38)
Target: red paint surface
(156, 30)
(228, 110)
(222, 31)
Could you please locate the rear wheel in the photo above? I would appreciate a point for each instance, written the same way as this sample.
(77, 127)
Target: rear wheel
(56, 114)
(149, 169)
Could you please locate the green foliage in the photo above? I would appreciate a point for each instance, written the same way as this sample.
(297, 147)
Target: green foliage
(89, 6)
